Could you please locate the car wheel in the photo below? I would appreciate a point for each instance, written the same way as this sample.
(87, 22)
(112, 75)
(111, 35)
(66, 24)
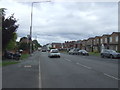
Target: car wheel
(102, 55)
(111, 56)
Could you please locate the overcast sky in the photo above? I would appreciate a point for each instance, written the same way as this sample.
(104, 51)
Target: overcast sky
(64, 21)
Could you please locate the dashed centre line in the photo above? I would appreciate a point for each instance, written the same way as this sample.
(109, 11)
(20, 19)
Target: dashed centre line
(84, 65)
(110, 76)
(67, 60)
(79, 64)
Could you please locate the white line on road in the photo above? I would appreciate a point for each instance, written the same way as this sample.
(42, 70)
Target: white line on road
(111, 76)
(84, 65)
(67, 60)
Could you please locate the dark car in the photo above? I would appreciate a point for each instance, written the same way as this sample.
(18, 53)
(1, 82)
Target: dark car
(110, 54)
(83, 52)
(44, 50)
(8, 55)
(11, 55)
(74, 51)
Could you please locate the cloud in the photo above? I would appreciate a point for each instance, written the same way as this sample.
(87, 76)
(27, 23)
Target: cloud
(61, 21)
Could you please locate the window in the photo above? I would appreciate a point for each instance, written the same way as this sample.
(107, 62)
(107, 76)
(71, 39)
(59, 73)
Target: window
(101, 40)
(97, 40)
(105, 40)
(116, 48)
(110, 39)
(116, 38)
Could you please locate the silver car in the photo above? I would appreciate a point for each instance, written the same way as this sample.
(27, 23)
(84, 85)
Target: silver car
(110, 54)
(54, 53)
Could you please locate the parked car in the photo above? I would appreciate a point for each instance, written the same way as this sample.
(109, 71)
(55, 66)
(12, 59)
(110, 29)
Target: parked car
(74, 51)
(110, 54)
(54, 53)
(8, 55)
(44, 50)
(11, 55)
(83, 52)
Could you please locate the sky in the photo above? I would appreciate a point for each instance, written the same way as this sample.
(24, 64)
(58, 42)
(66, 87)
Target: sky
(63, 21)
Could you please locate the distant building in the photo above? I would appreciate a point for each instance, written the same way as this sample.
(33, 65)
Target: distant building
(56, 45)
(97, 44)
(114, 41)
(89, 44)
(84, 44)
(78, 44)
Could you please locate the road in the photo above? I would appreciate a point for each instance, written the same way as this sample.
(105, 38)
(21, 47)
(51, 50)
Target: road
(69, 71)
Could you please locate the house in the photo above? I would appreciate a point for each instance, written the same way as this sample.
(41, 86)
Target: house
(78, 44)
(114, 42)
(105, 41)
(69, 44)
(97, 44)
(89, 44)
(84, 44)
(56, 45)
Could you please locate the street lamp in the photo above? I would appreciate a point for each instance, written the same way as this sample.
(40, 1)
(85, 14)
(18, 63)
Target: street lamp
(32, 22)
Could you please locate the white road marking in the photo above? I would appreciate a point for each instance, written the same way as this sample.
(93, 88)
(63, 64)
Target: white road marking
(27, 66)
(40, 80)
(84, 65)
(111, 76)
(67, 60)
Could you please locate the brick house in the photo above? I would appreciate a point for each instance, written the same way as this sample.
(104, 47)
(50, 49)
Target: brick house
(114, 43)
(69, 44)
(97, 44)
(78, 44)
(89, 45)
(84, 44)
(57, 45)
(24, 40)
(105, 41)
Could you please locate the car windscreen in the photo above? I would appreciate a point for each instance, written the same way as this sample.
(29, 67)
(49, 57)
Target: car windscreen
(54, 51)
(112, 51)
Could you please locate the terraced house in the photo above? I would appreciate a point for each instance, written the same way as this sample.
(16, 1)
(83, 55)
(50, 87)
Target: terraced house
(89, 44)
(97, 43)
(114, 43)
(93, 44)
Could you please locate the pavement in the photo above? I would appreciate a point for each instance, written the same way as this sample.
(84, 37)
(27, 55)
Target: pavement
(69, 71)
(22, 75)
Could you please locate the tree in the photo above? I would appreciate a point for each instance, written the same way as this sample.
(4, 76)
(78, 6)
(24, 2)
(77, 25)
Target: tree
(12, 44)
(9, 29)
(24, 46)
(36, 44)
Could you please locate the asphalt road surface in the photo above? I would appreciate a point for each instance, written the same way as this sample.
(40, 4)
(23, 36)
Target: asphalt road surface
(69, 71)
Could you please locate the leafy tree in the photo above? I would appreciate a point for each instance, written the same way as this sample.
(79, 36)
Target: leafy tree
(24, 46)
(9, 29)
(36, 44)
(12, 44)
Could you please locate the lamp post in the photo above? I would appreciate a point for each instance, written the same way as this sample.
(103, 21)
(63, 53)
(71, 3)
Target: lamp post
(30, 39)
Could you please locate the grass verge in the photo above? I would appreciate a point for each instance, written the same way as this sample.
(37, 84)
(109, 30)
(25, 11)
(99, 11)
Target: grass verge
(6, 63)
(24, 56)
(0, 64)
(94, 53)
(63, 51)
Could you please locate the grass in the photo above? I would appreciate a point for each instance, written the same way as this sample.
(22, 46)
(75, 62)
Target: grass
(63, 51)
(6, 63)
(24, 56)
(0, 64)
(94, 53)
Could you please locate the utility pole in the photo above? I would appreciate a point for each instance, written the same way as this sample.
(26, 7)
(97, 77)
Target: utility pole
(30, 39)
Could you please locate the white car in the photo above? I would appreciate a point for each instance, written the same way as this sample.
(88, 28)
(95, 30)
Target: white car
(54, 53)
